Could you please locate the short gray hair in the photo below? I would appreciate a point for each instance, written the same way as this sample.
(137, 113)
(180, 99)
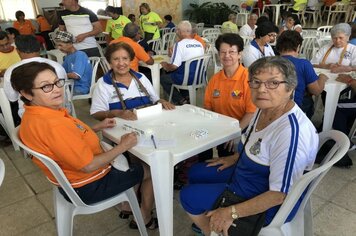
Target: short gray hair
(285, 66)
(130, 30)
(185, 26)
(341, 28)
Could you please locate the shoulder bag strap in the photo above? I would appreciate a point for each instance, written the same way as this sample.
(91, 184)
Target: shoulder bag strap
(123, 105)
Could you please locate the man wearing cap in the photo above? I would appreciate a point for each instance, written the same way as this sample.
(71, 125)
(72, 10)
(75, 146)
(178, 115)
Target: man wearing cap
(83, 24)
(76, 63)
(131, 36)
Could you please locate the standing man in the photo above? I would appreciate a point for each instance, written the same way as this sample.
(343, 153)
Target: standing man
(185, 49)
(83, 24)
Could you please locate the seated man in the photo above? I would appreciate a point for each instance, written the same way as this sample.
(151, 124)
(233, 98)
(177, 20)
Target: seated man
(8, 53)
(131, 36)
(185, 49)
(230, 25)
(248, 30)
(76, 63)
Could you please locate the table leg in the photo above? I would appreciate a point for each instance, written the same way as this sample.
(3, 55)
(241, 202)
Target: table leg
(278, 9)
(162, 169)
(155, 73)
(331, 100)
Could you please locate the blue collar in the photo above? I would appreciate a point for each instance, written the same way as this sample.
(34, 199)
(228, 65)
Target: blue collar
(254, 43)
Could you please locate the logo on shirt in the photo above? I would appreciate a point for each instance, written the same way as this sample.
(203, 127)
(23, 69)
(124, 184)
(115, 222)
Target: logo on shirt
(236, 94)
(347, 55)
(82, 128)
(216, 93)
(255, 149)
(193, 46)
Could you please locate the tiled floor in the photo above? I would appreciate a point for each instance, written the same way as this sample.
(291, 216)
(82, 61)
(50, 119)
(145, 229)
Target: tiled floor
(26, 206)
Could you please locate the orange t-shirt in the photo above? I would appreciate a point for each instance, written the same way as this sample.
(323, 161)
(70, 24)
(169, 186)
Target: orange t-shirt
(26, 28)
(200, 39)
(140, 53)
(229, 96)
(64, 139)
(43, 24)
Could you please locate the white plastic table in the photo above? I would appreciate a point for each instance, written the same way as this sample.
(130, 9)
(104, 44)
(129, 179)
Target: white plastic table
(155, 70)
(333, 89)
(172, 131)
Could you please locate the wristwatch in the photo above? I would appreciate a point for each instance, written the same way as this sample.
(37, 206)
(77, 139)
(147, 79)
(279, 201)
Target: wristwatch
(234, 214)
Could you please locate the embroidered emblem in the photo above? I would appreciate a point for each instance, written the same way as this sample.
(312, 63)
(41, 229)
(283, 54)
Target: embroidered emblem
(347, 55)
(255, 149)
(216, 93)
(236, 94)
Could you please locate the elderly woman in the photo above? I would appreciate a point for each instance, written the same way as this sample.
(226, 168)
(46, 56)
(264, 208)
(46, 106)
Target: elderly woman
(230, 25)
(47, 128)
(228, 92)
(259, 47)
(282, 144)
(149, 22)
(288, 45)
(122, 89)
(340, 56)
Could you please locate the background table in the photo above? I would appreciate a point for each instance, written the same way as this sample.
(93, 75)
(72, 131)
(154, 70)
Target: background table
(174, 127)
(333, 89)
(155, 70)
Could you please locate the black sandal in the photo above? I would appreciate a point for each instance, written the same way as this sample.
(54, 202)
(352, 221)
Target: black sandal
(125, 214)
(152, 224)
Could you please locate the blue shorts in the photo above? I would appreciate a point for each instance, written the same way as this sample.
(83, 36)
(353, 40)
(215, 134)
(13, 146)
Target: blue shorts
(111, 184)
(206, 184)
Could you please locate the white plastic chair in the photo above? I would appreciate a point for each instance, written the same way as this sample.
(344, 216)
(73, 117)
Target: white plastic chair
(155, 44)
(199, 80)
(211, 31)
(308, 47)
(2, 171)
(65, 211)
(163, 31)
(216, 60)
(315, 13)
(336, 10)
(302, 223)
(167, 41)
(52, 36)
(105, 66)
(94, 61)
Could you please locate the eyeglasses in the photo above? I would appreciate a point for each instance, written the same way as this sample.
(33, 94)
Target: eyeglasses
(49, 87)
(271, 84)
(228, 53)
(272, 35)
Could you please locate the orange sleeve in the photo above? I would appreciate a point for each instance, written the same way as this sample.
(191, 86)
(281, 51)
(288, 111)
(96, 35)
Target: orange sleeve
(141, 54)
(16, 25)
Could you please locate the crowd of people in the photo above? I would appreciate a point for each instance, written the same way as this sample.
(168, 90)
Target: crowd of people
(270, 96)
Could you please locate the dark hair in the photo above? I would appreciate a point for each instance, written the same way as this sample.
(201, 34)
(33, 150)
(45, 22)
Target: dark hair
(130, 30)
(114, 10)
(27, 44)
(145, 5)
(38, 16)
(265, 28)
(231, 39)
(285, 66)
(3, 35)
(289, 40)
(18, 14)
(23, 77)
(295, 18)
(262, 19)
(130, 16)
(12, 30)
(168, 17)
(117, 46)
(353, 30)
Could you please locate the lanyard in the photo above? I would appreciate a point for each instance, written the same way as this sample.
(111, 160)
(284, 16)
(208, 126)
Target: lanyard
(329, 51)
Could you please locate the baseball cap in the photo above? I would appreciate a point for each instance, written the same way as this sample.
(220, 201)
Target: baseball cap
(64, 36)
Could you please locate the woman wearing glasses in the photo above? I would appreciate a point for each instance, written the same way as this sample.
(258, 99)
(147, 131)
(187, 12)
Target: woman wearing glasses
(47, 128)
(122, 89)
(279, 145)
(266, 33)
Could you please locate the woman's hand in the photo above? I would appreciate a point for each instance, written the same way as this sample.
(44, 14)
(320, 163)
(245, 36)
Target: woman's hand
(220, 220)
(335, 68)
(128, 140)
(106, 123)
(166, 105)
(225, 162)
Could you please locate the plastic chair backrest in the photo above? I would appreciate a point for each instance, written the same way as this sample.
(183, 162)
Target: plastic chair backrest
(167, 41)
(94, 61)
(2, 171)
(312, 178)
(211, 36)
(52, 36)
(210, 31)
(307, 47)
(54, 168)
(163, 31)
(201, 65)
(105, 66)
(155, 45)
